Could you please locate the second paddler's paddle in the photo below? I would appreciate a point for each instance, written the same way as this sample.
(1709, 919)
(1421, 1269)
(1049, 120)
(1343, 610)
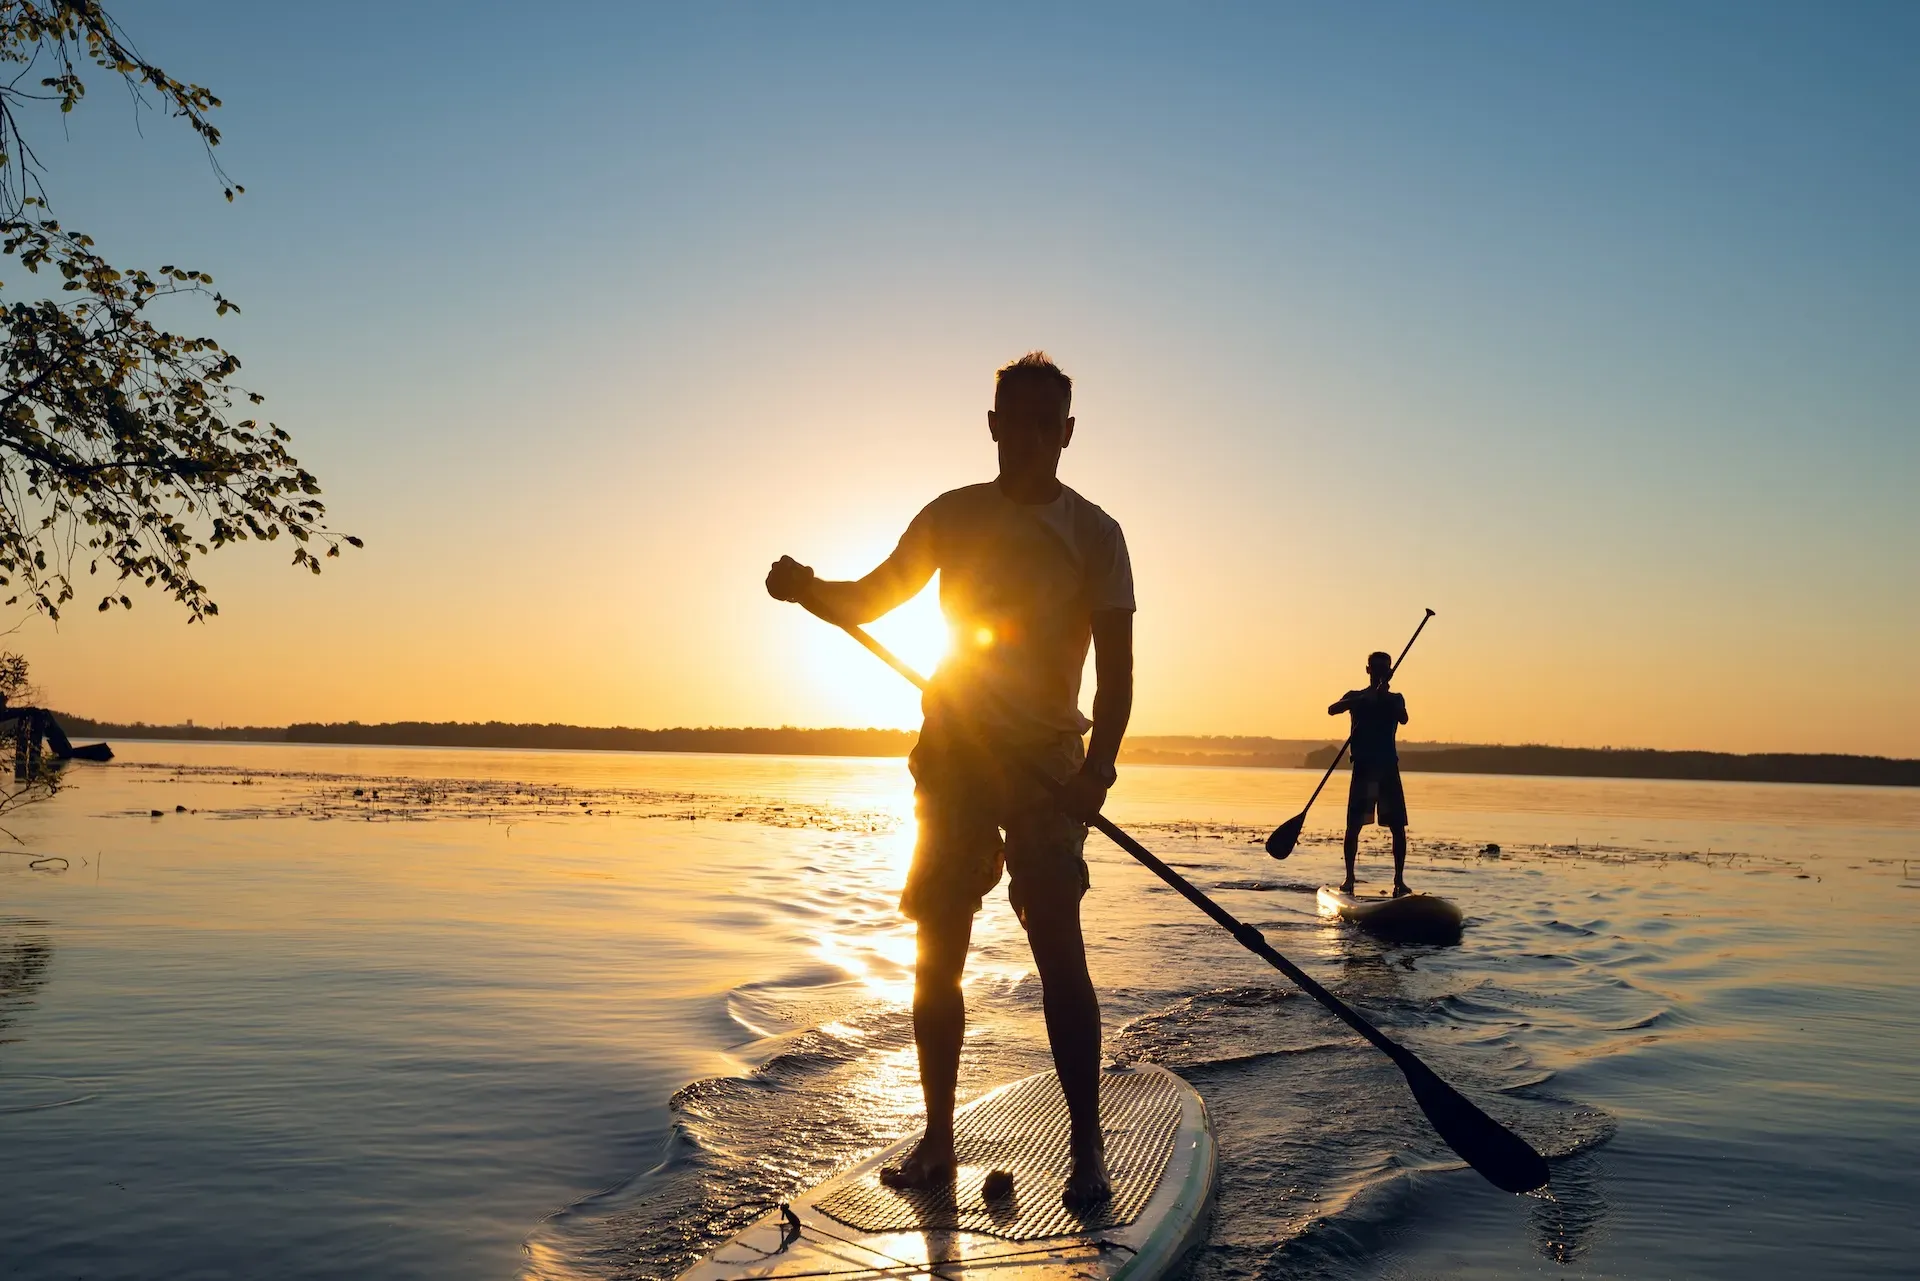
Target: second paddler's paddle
(1506, 1159)
(1287, 835)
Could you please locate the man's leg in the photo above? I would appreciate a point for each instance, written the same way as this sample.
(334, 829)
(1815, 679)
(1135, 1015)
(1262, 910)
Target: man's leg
(1360, 798)
(939, 1029)
(1393, 816)
(1051, 913)
(956, 860)
(1047, 875)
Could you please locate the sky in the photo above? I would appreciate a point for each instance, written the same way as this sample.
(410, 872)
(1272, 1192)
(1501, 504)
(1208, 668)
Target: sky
(1592, 328)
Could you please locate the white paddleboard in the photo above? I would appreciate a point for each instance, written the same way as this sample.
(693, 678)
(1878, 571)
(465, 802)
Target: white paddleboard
(1160, 1155)
(1409, 916)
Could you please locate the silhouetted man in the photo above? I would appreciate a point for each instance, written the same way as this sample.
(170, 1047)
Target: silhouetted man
(1375, 795)
(1030, 572)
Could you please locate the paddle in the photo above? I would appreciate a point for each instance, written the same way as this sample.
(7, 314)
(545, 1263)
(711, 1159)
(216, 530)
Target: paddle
(1287, 835)
(1482, 1142)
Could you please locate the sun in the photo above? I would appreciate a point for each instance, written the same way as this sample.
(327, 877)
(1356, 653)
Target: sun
(859, 688)
(917, 632)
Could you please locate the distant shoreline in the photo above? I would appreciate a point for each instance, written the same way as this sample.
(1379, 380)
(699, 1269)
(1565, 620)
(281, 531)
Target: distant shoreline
(1243, 752)
(1639, 762)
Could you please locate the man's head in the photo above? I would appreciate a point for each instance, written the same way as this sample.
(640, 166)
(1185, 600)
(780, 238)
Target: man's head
(1030, 419)
(1379, 665)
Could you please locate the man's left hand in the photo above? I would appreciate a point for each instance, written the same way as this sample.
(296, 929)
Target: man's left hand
(1082, 796)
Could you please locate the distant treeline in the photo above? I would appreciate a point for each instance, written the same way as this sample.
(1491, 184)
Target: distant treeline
(81, 727)
(1248, 752)
(1611, 762)
(784, 741)
(1243, 751)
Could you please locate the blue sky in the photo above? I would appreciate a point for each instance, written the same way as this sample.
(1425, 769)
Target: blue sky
(1591, 327)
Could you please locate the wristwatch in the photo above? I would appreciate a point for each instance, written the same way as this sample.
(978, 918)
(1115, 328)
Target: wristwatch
(1105, 777)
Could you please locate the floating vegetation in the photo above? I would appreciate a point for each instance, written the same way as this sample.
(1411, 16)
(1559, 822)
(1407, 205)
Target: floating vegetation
(397, 798)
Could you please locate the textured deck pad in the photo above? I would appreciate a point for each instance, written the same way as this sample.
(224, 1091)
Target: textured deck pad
(1024, 1129)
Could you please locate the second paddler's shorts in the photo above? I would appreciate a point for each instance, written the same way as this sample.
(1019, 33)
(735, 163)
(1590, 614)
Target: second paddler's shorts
(965, 795)
(1376, 790)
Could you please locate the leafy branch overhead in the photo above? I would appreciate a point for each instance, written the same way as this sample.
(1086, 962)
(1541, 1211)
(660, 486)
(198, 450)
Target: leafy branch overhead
(120, 450)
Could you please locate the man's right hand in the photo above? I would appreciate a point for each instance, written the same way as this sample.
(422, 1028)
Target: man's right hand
(789, 580)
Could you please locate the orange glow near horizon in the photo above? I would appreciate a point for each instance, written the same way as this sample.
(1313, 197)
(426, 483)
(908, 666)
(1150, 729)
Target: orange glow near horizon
(1228, 641)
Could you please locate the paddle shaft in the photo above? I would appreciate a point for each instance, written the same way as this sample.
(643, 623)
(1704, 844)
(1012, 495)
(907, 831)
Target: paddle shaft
(1341, 754)
(1246, 935)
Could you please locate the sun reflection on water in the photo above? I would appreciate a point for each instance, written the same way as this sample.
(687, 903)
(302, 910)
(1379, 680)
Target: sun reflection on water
(889, 1093)
(882, 962)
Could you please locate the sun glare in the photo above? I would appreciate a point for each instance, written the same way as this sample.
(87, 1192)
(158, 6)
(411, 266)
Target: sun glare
(916, 632)
(856, 688)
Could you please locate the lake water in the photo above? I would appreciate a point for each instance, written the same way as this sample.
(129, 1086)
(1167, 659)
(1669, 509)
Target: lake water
(313, 1012)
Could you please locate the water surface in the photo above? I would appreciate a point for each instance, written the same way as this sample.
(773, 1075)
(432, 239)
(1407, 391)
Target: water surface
(423, 1013)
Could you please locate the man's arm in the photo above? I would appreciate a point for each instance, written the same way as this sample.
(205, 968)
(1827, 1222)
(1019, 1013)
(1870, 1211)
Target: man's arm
(1086, 791)
(1354, 697)
(1403, 709)
(889, 586)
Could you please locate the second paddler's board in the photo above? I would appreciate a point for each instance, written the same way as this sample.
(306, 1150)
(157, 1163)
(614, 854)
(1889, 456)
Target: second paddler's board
(1160, 1155)
(1414, 917)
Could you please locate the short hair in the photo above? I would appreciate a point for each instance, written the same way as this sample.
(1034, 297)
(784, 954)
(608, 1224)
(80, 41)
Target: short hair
(1379, 658)
(1035, 368)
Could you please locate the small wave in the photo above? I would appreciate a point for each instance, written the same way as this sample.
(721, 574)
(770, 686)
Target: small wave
(1659, 1018)
(1473, 1009)
(806, 978)
(59, 1088)
(1268, 887)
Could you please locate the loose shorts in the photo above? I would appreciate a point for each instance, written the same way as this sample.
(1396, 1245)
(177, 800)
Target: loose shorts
(1375, 795)
(966, 795)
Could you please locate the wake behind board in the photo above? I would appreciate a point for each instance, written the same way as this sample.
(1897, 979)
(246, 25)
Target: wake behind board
(1160, 1156)
(1413, 918)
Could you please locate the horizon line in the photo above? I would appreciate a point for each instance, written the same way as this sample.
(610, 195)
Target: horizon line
(1291, 742)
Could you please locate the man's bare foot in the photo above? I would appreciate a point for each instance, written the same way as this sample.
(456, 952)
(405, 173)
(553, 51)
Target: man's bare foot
(928, 1167)
(1087, 1184)
(1400, 889)
(1346, 886)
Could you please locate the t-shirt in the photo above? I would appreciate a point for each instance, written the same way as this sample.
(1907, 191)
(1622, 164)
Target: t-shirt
(1375, 722)
(1019, 584)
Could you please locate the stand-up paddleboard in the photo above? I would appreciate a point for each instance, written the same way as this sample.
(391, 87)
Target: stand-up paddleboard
(1416, 918)
(1160, 1156)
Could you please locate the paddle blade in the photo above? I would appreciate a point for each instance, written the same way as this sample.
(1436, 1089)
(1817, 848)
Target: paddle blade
(1286, 836)
(93, 752)
(1505, 1159)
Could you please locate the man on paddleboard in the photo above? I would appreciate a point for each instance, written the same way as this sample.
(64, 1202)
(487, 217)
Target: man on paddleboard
(1375, 793)
(1030, 573)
